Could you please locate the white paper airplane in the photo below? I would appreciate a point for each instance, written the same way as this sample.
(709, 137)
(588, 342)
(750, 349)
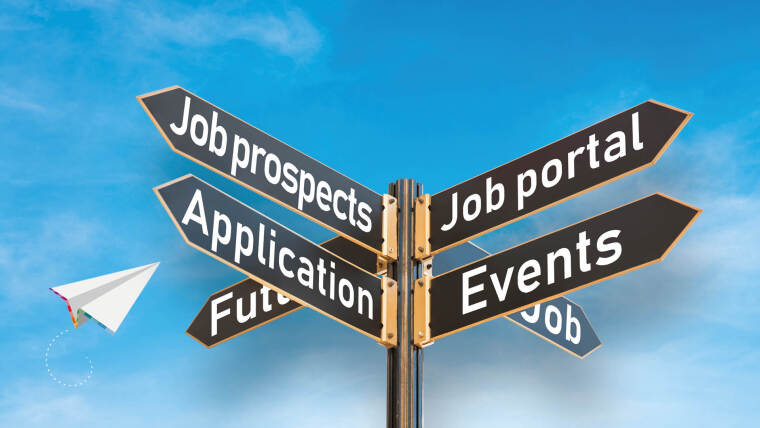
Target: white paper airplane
(107, 298)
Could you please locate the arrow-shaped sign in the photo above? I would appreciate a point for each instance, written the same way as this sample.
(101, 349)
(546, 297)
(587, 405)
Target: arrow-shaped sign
(606, 151)
(217, 140)
(610, 244)
(239, 236)
(559, 321)
(247, 305)
(237, 309)
(562, 323)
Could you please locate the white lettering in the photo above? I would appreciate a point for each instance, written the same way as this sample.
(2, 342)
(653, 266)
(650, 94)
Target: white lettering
(468, 291)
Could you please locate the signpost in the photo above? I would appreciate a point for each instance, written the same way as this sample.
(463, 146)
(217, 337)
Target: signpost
(398, 234)
(559, 321)
(618, 241)
(217, 140)
(606, 151)
(250, 242)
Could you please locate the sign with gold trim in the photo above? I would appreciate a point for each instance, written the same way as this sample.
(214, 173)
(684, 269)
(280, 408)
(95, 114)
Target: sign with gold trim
(611, 149)
(247, 304)
(237, 309)
(278, 258)
(559, 321)
(601, 247)
(220, 141)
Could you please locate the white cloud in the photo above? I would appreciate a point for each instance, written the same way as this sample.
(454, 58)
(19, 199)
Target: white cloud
(530, 384)
(37, 405)
(153, 25)
(36, 256)
(17, 100)
(302, 389)
(292, 35)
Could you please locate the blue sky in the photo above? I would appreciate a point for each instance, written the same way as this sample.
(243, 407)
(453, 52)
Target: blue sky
(463, 87)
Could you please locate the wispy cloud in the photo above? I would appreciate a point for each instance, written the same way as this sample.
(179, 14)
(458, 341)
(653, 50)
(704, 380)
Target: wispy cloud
(516, 377)
(33, 404)
(35, 256)
(288, 33)
(292, 383)
(17, 100)
(292, 34)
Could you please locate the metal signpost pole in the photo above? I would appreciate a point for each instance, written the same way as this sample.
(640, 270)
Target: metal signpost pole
(404, 361)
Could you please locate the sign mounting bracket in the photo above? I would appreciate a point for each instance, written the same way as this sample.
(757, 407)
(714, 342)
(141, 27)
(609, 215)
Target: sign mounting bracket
(388, 334)
(422, 227)
(422, 312)
(390, 229)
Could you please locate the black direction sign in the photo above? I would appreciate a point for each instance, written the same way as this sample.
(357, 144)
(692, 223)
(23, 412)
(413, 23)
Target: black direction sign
(355, 254)
(239, 236)
(217, 140)
(559, 321)
(247, 304)
(610, 244)
(237, 309)
(608, 150)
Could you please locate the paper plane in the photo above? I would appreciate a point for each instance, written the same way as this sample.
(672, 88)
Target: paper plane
(106, 298)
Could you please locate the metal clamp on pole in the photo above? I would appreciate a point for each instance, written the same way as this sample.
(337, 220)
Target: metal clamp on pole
(390, 228)
(389, 312)
(422, 227)
(422, 312)
(426, 267)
